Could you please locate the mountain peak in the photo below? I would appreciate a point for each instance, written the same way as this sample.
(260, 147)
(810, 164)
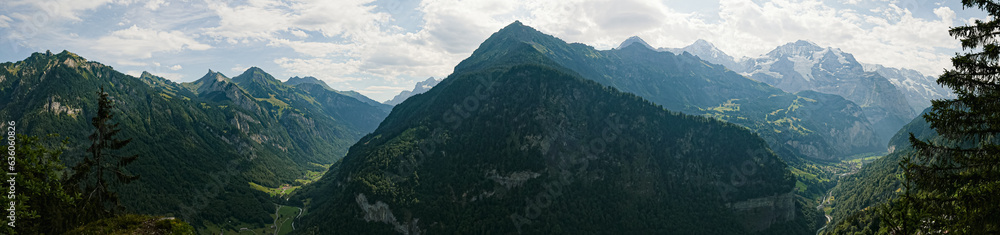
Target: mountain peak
(702, 45)
(213, 76)
(308, 79)
(516, 30)
(801, 44)
(805, 43)
(254, 70)
(708, 52)
(259, 84)
(702, 42)
(255, 74)
(797, 48)
(634, 39)
(65, 56)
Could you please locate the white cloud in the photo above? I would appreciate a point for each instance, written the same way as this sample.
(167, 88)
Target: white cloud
(264, 19)
(381, 91)
(5, 21)
(238, 68)
(890, 35)
(453, 29)
(321, 68)
(256, 20)
(131, 63)
(459, 27)
(314, 49)
(176, 67)
(358, 43)
(156, 4)
(59, 9)
(139, 42)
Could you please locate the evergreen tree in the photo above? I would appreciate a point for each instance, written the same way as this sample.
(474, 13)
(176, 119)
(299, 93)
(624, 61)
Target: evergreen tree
(90, 174)
(42, 203)
(953, 185)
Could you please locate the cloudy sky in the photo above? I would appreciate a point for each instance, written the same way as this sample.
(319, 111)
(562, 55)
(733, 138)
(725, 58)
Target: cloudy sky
(382, 47)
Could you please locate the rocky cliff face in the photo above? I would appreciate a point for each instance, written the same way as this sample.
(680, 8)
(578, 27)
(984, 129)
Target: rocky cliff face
(760, 213)
(217, 87)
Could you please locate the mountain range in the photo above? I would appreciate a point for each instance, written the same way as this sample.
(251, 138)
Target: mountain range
(529, 134)
(478, 151)
(202, 145)
(889, 97)
(520, 144)
(806, 125)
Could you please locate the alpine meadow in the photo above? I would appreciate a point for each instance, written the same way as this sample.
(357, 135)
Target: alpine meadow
(500, 117)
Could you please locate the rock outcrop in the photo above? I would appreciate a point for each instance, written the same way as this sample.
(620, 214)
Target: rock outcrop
(760, 213)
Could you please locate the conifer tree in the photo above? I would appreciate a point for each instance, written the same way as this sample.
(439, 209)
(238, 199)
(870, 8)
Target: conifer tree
(952, 183)
(91, 174)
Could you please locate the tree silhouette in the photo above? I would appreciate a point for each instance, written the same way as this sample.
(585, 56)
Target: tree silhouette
(90, 175)
(952, 183)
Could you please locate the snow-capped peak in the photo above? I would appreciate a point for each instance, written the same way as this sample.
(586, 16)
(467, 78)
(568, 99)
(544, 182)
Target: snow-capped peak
(798, 48)
(702, 43)
(702, 47)
(708, 52)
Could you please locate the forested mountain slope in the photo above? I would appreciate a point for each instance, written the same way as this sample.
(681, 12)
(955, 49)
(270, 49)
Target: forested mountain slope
(601, 159)
(513, 124)
(858, 196)
(200, 144)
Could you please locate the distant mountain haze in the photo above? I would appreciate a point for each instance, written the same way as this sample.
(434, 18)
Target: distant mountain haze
(890, 97)
(299, 80)
(419, 88)
(296, 81)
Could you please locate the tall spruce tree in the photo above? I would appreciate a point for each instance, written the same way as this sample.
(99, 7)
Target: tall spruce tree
(953, 182)
(91, 175)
